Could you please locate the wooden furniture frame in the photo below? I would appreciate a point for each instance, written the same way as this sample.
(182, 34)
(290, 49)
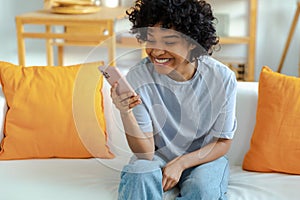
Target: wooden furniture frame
(92, 29)
(80, 30)
(249, 40)
(289, 39)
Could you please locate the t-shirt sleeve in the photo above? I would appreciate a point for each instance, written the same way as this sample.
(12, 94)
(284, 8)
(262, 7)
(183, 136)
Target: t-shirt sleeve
(226, 123)
(140, 111)
(143, 119)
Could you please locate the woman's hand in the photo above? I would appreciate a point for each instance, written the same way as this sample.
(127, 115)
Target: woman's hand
(124, 102)
(171, 174)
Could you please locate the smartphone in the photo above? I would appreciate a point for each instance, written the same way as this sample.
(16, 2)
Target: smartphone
(112, 75)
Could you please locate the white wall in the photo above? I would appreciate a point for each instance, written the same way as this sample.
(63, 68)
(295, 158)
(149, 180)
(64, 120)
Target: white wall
(8, 10)
(274, 20)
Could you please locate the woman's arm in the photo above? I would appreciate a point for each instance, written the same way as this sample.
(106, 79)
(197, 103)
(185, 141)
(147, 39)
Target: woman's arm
(173, 170)
(206, 154)
(141, 144)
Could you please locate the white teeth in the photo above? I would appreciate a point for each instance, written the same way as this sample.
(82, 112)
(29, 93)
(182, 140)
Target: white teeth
(163, 60)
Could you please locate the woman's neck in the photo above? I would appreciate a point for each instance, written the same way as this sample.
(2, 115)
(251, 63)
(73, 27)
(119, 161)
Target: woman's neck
(184, 73)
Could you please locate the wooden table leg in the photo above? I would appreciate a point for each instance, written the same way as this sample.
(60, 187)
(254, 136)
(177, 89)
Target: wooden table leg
(21, 42)
(49, 48)
(60, 55)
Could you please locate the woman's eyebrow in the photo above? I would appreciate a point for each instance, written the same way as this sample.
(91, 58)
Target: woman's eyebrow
(166, 36)
(171, 36)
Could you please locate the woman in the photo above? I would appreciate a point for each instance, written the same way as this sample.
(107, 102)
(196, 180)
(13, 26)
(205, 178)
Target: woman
(181, 123)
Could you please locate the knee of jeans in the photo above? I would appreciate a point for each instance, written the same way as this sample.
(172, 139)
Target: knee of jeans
(194, 188)
(142, 172)
(208, 181)
(142, 166)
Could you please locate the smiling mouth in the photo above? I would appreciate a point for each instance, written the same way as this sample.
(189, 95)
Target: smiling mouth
(161, 60)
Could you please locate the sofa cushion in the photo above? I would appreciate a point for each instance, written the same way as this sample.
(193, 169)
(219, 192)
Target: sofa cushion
(53, 112)
(275, 143)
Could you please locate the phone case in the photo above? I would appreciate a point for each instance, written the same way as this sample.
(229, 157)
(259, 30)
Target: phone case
(112, 75)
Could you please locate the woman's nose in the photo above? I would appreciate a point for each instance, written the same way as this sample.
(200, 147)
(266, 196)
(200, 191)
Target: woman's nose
(157, 52)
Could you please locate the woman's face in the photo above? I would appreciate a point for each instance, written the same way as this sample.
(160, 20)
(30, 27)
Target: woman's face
(169, 52)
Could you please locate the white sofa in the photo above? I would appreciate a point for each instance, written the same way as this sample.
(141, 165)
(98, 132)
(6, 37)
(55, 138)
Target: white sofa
(98, 179)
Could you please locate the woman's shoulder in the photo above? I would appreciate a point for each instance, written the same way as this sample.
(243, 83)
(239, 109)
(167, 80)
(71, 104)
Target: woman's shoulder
(212, 67)
(217, 73)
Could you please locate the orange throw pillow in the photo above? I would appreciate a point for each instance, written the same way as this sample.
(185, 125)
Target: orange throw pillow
(275, 143)
(44, 112)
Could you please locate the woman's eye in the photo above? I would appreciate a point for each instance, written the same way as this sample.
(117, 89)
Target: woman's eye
(151, 41)
(170, 43)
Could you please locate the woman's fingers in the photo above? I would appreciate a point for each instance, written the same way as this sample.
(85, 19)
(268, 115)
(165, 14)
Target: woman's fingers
(114, 94)
(124, 102)
(168, 184)
(137, 100)
(113, 90)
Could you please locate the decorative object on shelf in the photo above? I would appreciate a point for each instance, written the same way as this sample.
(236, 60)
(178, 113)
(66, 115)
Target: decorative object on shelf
(126, 3)
(222, 24)
(239, 69)
(73, 2)
(75, 9)
(72, 6)
(97, 2)
(110, 3)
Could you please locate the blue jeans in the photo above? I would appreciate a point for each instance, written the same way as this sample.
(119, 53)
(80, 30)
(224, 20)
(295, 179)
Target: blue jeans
(142, 180)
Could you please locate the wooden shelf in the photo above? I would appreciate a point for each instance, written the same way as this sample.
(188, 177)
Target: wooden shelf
(234, 40)
(249, 40)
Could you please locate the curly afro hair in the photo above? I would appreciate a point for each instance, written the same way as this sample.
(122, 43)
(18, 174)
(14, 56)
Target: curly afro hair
(193, 18)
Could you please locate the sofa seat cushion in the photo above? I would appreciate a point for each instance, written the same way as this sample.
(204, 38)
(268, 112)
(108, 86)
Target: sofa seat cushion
(95, 179)
(59, 179)
(245, 185)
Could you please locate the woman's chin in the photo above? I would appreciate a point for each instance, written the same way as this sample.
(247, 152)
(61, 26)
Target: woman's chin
(163, 69)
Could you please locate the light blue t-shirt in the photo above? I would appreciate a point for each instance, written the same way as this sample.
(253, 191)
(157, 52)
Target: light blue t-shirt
(185, 116)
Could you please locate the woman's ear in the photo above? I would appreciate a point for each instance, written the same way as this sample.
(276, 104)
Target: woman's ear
(192, 46)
